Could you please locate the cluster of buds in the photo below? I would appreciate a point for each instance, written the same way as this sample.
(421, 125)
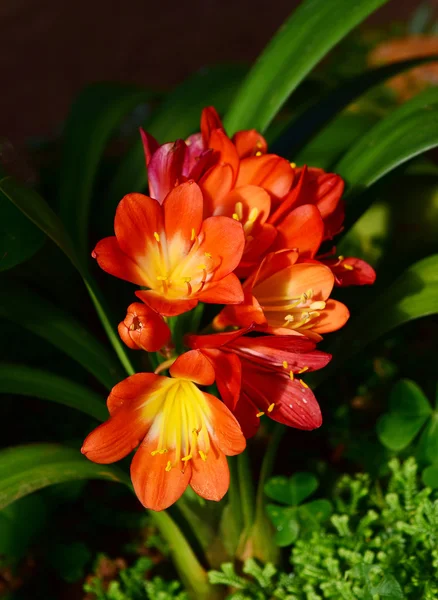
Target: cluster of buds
(229, 224)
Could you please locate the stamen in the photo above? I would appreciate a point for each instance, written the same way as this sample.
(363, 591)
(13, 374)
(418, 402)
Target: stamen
(186, 458)
(253, 214)
(260, 414)
(303, 370)
(349, 267)
(202, 267)
(289, 318)
(258, 153)
(291, 375)
(271, 407)
(236, 217)
(158, 451)
(157, 236)
(162, 277)
(303, 383)
(259, 144)
(202, 455)
(285, 364)
(320, 305)
(208, 255)
(168, 466)
(238, 207)
(192, 237)
(293, 165)
(341, 258)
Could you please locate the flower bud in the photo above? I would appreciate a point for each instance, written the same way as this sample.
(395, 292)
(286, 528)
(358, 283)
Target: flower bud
(144, 329)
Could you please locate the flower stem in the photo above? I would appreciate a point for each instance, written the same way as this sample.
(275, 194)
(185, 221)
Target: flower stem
(246, 487)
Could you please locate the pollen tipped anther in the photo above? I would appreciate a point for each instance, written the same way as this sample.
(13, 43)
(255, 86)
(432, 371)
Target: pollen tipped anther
(157, 236)
(168, 466)
(349, 267)
(271, 407)
(258, 153)
(202, 455)
(193, 235)
(320, 305)
(303, 383)
(208, 255)
(303, 370)
(187, 458)
(293, 165)
(291, 375)
(260, 414)
(285, 364)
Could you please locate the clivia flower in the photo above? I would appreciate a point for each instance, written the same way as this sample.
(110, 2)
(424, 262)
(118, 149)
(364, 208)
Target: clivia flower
(259, 376)
(170, 249)
(288, 297)
(183, 434)
(144, 329)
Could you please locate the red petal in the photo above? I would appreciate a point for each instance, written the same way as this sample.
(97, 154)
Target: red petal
(215, 185)
(226, 291)
(303, 228)
(144, 329)
(269, 171)
(193, 365)
(210, 121)
(249, 142)
(211, 477)
(228, 373)
(112, 260)
(288, 202)
(150, 145)
(165, 306)
(214, 340)
(227, 433)
(360, 273)
(155, 487)
(224, 150)
(165, 169)
(194, 149)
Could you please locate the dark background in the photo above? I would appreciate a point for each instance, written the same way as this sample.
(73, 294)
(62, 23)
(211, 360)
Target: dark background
(51, 49)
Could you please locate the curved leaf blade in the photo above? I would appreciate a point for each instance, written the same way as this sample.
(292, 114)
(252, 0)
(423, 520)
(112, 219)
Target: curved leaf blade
(26, 469)
(21, 305)
(303, 128)
(178, 117)
(413, 295)
(27, 381)
(311, 31)
(39, 212)
(95, 114)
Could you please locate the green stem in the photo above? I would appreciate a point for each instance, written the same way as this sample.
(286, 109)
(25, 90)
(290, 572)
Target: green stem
(246, 487)
(266, 470)
(192, 574)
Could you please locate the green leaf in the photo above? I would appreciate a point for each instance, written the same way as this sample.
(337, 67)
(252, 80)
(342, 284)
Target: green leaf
(409, 409)
(26, 381)
(405, 133)
(291, 491)
(25, 469)
(20, 523)
(428, 445)
(430, 476)
(27, 309)
(285, 523)
(40, 213)
(302, 41)
(178, 117)
(413, 295)
(95, 114)
(296, 138)
(311, 514)
(19, 239)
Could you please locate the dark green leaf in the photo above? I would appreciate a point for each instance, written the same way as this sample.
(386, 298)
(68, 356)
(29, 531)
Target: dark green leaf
(19, 238)
(95, 114)
(25, 308)
(302, 129)
(40, 213)
(428, 445)
(413, 295)
(284, 521)
(409, 409)
(26, 381)
(311, 514)
(25, 469)
(20, 523)
(301, 42)
(405, 133)
(178, 117)
(430, 476)
(291, 491)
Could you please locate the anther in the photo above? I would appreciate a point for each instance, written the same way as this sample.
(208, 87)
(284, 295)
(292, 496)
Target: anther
(320, 305)
(192, 237)
(186, 458)
(259, 144)
(293, 165)
(303, 370)
(258, 153)
(238, 207)
(168, 466)
(162, 277)
(348, 267)
(202, 267)
(289, 318)
(291, 375)
(303, 383)
(341, 258)
(187, 279)
(260, 414)
(156, 236)
(236, 217)
(208, 255)
(271, 407)
(253, 214)
(285, 364)
(202, 455)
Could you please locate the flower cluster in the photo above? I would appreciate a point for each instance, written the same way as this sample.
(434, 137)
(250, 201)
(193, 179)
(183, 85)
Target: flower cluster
(229, 224)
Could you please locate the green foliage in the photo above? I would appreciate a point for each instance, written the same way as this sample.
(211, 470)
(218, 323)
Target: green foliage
(131, 584)
(378, 545)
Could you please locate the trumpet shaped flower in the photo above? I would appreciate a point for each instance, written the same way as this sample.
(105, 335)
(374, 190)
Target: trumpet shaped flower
(144, 328)
(172, 250)
(183, 434)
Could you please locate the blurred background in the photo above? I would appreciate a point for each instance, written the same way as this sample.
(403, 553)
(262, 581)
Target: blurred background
(50, 50)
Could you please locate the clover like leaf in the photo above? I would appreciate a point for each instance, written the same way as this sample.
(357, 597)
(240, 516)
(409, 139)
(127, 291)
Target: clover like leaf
(285, 523)
(291, 491)
(409, 409)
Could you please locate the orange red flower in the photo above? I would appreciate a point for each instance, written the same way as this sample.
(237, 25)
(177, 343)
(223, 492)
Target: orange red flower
(170, 249)
(144, 329)
(183, 434)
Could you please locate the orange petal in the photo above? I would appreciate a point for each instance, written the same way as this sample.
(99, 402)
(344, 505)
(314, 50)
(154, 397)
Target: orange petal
(210, 121)
(303, 228)
(249, 142)
(133, 391)
(251, 197)
(210, 477)
(143, 329)
(183, 208)
(195, 366)
(137, 218)
(269, 171)
(242, 315)
(226, 291)
(227, 433)
(224, 150)
(223, 239)
(155, 487)
(215, 185)
(332, 318)
(166, 306)
(112, 260)
(228, 373)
